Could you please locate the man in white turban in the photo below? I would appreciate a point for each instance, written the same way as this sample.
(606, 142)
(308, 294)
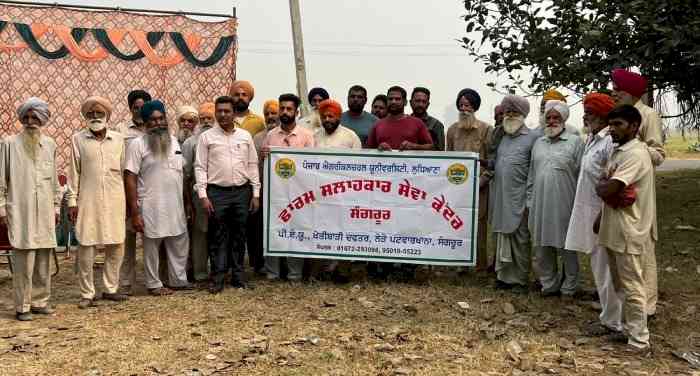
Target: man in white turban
(187, 121)
(551, 189)
(30, 198)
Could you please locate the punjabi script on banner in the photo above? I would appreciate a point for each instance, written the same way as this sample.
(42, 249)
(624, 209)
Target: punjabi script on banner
(407, 207)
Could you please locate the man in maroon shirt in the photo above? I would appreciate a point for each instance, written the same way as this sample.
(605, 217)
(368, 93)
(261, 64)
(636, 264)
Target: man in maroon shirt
(397, 130)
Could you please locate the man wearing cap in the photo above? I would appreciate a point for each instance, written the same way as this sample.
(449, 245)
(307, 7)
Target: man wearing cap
(199, 251)
(96, 199)
(187, 120)
(154, 188)
(243, 93)
(131, 130)
(473, 135)
(312, 121)
(30, 199)
(356, 118)
(551, 189)
(580, 236)
(420, 101)
(628, 88)
(254, 233)
(508, 195)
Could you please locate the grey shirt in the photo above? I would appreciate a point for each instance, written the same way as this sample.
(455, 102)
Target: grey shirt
(361, 125)
(509, 186)
(551, 187)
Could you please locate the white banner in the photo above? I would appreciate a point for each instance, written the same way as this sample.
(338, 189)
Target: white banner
(407, 207)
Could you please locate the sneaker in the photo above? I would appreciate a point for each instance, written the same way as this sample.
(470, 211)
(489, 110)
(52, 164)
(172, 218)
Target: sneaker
(24, 316)
(42, 310)
(117, 297)
(85, 303)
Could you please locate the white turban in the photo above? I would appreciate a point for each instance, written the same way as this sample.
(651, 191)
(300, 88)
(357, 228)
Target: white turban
(184, 110)
(40, 108)
(561, 107)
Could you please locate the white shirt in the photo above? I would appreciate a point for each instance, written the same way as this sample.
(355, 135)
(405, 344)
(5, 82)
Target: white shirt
(159, 188)
(587, 204)
(341, 138)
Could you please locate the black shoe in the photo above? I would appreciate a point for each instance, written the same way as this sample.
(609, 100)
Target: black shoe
(500, 285)
(242, 285)
(550, 294)
(215, 288)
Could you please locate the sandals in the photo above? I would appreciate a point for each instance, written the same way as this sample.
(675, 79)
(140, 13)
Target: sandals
(160, 291)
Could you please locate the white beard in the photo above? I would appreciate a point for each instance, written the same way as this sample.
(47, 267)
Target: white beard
(183, 134)
(467, 120)
(31, 139)
(512, 124)
(96, 125)
(159, 143)
(553, 132)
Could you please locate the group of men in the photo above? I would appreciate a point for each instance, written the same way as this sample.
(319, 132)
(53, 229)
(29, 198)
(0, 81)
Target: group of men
(192, 189)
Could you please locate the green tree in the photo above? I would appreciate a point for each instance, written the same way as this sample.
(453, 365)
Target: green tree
(575, 44)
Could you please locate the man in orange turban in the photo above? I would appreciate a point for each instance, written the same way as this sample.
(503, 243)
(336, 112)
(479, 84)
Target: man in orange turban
(206, 115)
(628, 88)
(243, 93)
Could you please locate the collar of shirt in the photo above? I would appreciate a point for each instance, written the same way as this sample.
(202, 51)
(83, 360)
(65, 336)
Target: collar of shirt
(563, 136)
(222, 131)
(89, 134)
(629, 145)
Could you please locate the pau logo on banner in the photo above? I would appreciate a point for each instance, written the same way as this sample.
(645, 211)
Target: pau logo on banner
(408, 207)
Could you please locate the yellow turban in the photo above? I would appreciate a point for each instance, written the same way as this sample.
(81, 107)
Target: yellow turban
(96, 101)
(245, 85)
(206, 109)
(553, 95)
(271, 104)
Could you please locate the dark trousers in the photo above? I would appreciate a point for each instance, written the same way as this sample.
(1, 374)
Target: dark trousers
(227, 228)
(255, 240)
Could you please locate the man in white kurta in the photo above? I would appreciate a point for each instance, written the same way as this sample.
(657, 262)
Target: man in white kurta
(551, 191)
(30, 199)
(96, 199)
(154, 182)
(587, 205)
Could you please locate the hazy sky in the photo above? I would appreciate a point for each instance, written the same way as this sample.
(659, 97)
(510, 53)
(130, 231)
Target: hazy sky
(373, 43)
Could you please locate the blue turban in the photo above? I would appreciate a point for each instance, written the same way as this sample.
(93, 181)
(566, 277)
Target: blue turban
(151, 106)
(318, 91)
(472, 96)
(40, 108)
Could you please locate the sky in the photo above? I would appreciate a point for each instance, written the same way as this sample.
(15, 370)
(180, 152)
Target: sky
(372, 43)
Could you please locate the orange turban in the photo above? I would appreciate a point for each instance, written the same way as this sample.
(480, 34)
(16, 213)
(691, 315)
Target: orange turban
(553, 95)
(633, 83)
(271, 104)
(330, 105)
(206, 109)
(599, 104)
(245, 85)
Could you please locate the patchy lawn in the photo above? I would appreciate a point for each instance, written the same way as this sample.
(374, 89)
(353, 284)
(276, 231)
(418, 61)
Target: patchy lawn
(364, 328)
(677, 148)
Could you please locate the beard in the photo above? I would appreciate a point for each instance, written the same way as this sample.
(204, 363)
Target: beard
(356, 107)
(553, 131)
(96, 125)
(512, 124)
(242, 106)
(467, 120)
(330, 126)
(158, 141)
(183, 134)
(395, 109)
(31, 138)
(286, 119)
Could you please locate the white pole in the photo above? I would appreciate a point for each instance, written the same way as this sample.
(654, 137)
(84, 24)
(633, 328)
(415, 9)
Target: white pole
(299, 62)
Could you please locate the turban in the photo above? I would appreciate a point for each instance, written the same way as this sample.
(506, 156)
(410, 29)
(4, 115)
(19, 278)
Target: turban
(318, 91)
(184, 110)
(245, 85)
(136, 95)
(517, 104)
(206, 109)
(90, 103)
(40, 108)
(330, 105)
(630, 82)
(271, 104)
(472, 96)
(598, 103)
(150, 107)
(553, 95)
(558, 106)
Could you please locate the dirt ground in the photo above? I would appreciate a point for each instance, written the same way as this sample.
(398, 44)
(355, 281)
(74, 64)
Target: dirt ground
(442, 325)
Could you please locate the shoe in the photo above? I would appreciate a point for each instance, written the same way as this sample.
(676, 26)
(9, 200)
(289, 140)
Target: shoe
(215, 288)
(617, 337)
(550, 294)
(635, 351)
(596, 329)
(42, 310)
(117, 297)
(500, 285)
(242, 285)
(160, 291)
(188, 286)
(125, 290)
(24, 316)
(85, 303)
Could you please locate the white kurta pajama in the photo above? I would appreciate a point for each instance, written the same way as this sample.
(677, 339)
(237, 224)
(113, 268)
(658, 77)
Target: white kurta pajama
(551, 191)
(161, 202)
(97, 189)
(580, 236)
(30, 196)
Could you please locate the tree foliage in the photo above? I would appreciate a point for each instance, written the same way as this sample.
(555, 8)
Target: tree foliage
(576, 44)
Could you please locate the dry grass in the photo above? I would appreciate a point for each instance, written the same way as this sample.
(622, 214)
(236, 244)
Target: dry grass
(677, 148)
(362, 329)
